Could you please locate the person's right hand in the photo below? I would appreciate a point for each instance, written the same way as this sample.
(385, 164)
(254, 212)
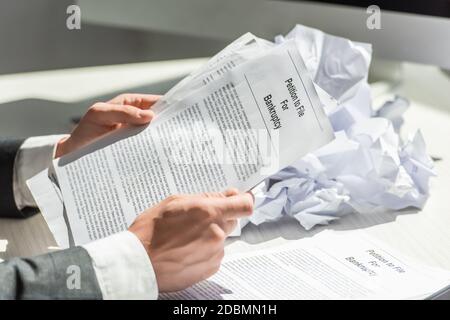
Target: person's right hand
(184, 235)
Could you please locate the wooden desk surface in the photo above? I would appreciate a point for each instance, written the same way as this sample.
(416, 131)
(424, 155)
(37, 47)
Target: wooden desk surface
(422, 235)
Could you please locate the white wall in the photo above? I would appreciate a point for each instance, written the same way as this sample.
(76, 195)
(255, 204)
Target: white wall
(33, 36)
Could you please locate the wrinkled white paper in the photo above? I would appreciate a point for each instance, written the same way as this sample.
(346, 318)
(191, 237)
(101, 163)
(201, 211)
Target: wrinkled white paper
(367, 168)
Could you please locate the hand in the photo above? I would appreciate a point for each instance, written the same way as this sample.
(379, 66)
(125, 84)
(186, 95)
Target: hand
(104, 117)
(184, 235)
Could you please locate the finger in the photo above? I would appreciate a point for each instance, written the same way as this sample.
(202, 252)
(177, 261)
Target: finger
(213, 195)
(201, 248)
(142, 101)
(252, 195)
(203, 269)
(111, 114)
(216, 234)
(231, 192)
(236, 206)
(211, 266)
(227, 193)
(229, 225)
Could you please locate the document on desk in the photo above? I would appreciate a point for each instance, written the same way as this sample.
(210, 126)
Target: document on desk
(331, 265)
(230, 124)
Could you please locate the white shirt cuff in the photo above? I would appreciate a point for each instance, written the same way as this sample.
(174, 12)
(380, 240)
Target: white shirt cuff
(123, 268)
(34, 155)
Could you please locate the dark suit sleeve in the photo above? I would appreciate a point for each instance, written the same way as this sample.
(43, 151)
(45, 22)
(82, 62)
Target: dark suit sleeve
(8, 208)
(66, 274)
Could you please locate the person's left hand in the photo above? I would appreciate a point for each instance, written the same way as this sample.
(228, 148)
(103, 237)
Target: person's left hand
(104, 117)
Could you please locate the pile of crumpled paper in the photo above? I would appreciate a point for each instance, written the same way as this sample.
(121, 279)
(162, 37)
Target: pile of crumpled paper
(367, 168)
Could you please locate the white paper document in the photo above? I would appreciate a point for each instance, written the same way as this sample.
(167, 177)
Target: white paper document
(49, 200)
(231, 125)
(346, 265)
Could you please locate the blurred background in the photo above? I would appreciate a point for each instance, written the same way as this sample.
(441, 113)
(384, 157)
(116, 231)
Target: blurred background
(34, 37)
(50, 74)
